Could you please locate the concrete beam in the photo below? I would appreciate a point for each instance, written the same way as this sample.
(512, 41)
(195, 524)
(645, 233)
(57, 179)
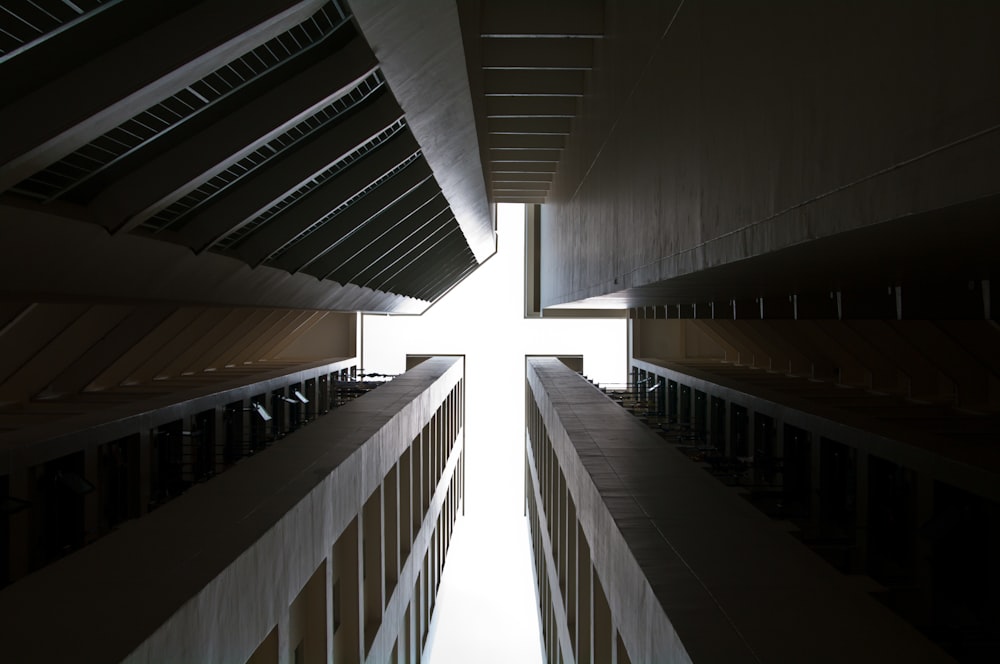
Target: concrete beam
(376, 242)
(158, 183)
(49, 128)
(331, 234)
(254, 194)
(84, 262)
(419, 48)
(441, 219)
(287, 224)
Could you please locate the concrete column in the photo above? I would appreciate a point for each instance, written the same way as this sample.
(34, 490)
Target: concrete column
(727, 429)
(815, 455)
(859, 562)
(779, 448)
(923, 550)
(19, 524)
(219, 436)
(92, 500)
(145, 466)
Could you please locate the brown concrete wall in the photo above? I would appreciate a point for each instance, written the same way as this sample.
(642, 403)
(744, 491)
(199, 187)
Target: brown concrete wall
(333, 336)
(713, 131)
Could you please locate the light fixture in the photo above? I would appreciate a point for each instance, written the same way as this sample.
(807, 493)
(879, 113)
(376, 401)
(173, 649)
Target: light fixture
(285, 399)
(264, 415)
(301, 397)
(660, 384)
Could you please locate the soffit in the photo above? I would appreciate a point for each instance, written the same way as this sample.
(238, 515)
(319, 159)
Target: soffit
(257, 136)
(528, 67)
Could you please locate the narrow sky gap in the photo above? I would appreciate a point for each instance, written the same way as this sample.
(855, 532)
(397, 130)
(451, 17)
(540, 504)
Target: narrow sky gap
(486, 609)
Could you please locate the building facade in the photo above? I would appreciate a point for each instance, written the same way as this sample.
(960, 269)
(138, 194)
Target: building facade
(326, 546)
(794, 204)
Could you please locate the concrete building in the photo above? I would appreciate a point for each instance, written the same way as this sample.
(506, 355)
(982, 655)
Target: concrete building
(793, 203)
(796, 204)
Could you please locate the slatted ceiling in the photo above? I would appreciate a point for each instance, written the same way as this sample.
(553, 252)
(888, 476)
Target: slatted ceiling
(392, 241)
(527, 141)
(138, 133)
(239, 351)
(9, 312)
(520, 155)
(212, 356)
(537, 54)
(531, 107)
(312, 204)
(554, 126)
(362, 235)
(430, 283)
(365, 208)
(30, 333)
(385, 275)
(285, 325)
(507, 168)
(158, 363)
(249, 218)
(279, 345)
(363, 203)
(520, 198)
(400, 253)
(36, 374)
(445, 263)
(23, 24)
(179, 214)
(140, 322)
(424, 261)
(126, 363)
(255, 247)
(328, 236)
(512, 178)
(446, 284)
(532, 63)
(184, 355)
(533, 83)
(383, 255)
(499, 187)
(553, 18)
(442, 289)
(311, 186)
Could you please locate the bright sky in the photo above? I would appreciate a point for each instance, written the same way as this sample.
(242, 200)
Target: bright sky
(487, 610)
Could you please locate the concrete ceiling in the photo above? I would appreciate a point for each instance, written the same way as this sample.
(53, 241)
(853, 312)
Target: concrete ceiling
(528, 64)
(260, 134)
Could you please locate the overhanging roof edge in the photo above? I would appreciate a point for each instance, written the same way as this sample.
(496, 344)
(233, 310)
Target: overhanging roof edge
(419, 48)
